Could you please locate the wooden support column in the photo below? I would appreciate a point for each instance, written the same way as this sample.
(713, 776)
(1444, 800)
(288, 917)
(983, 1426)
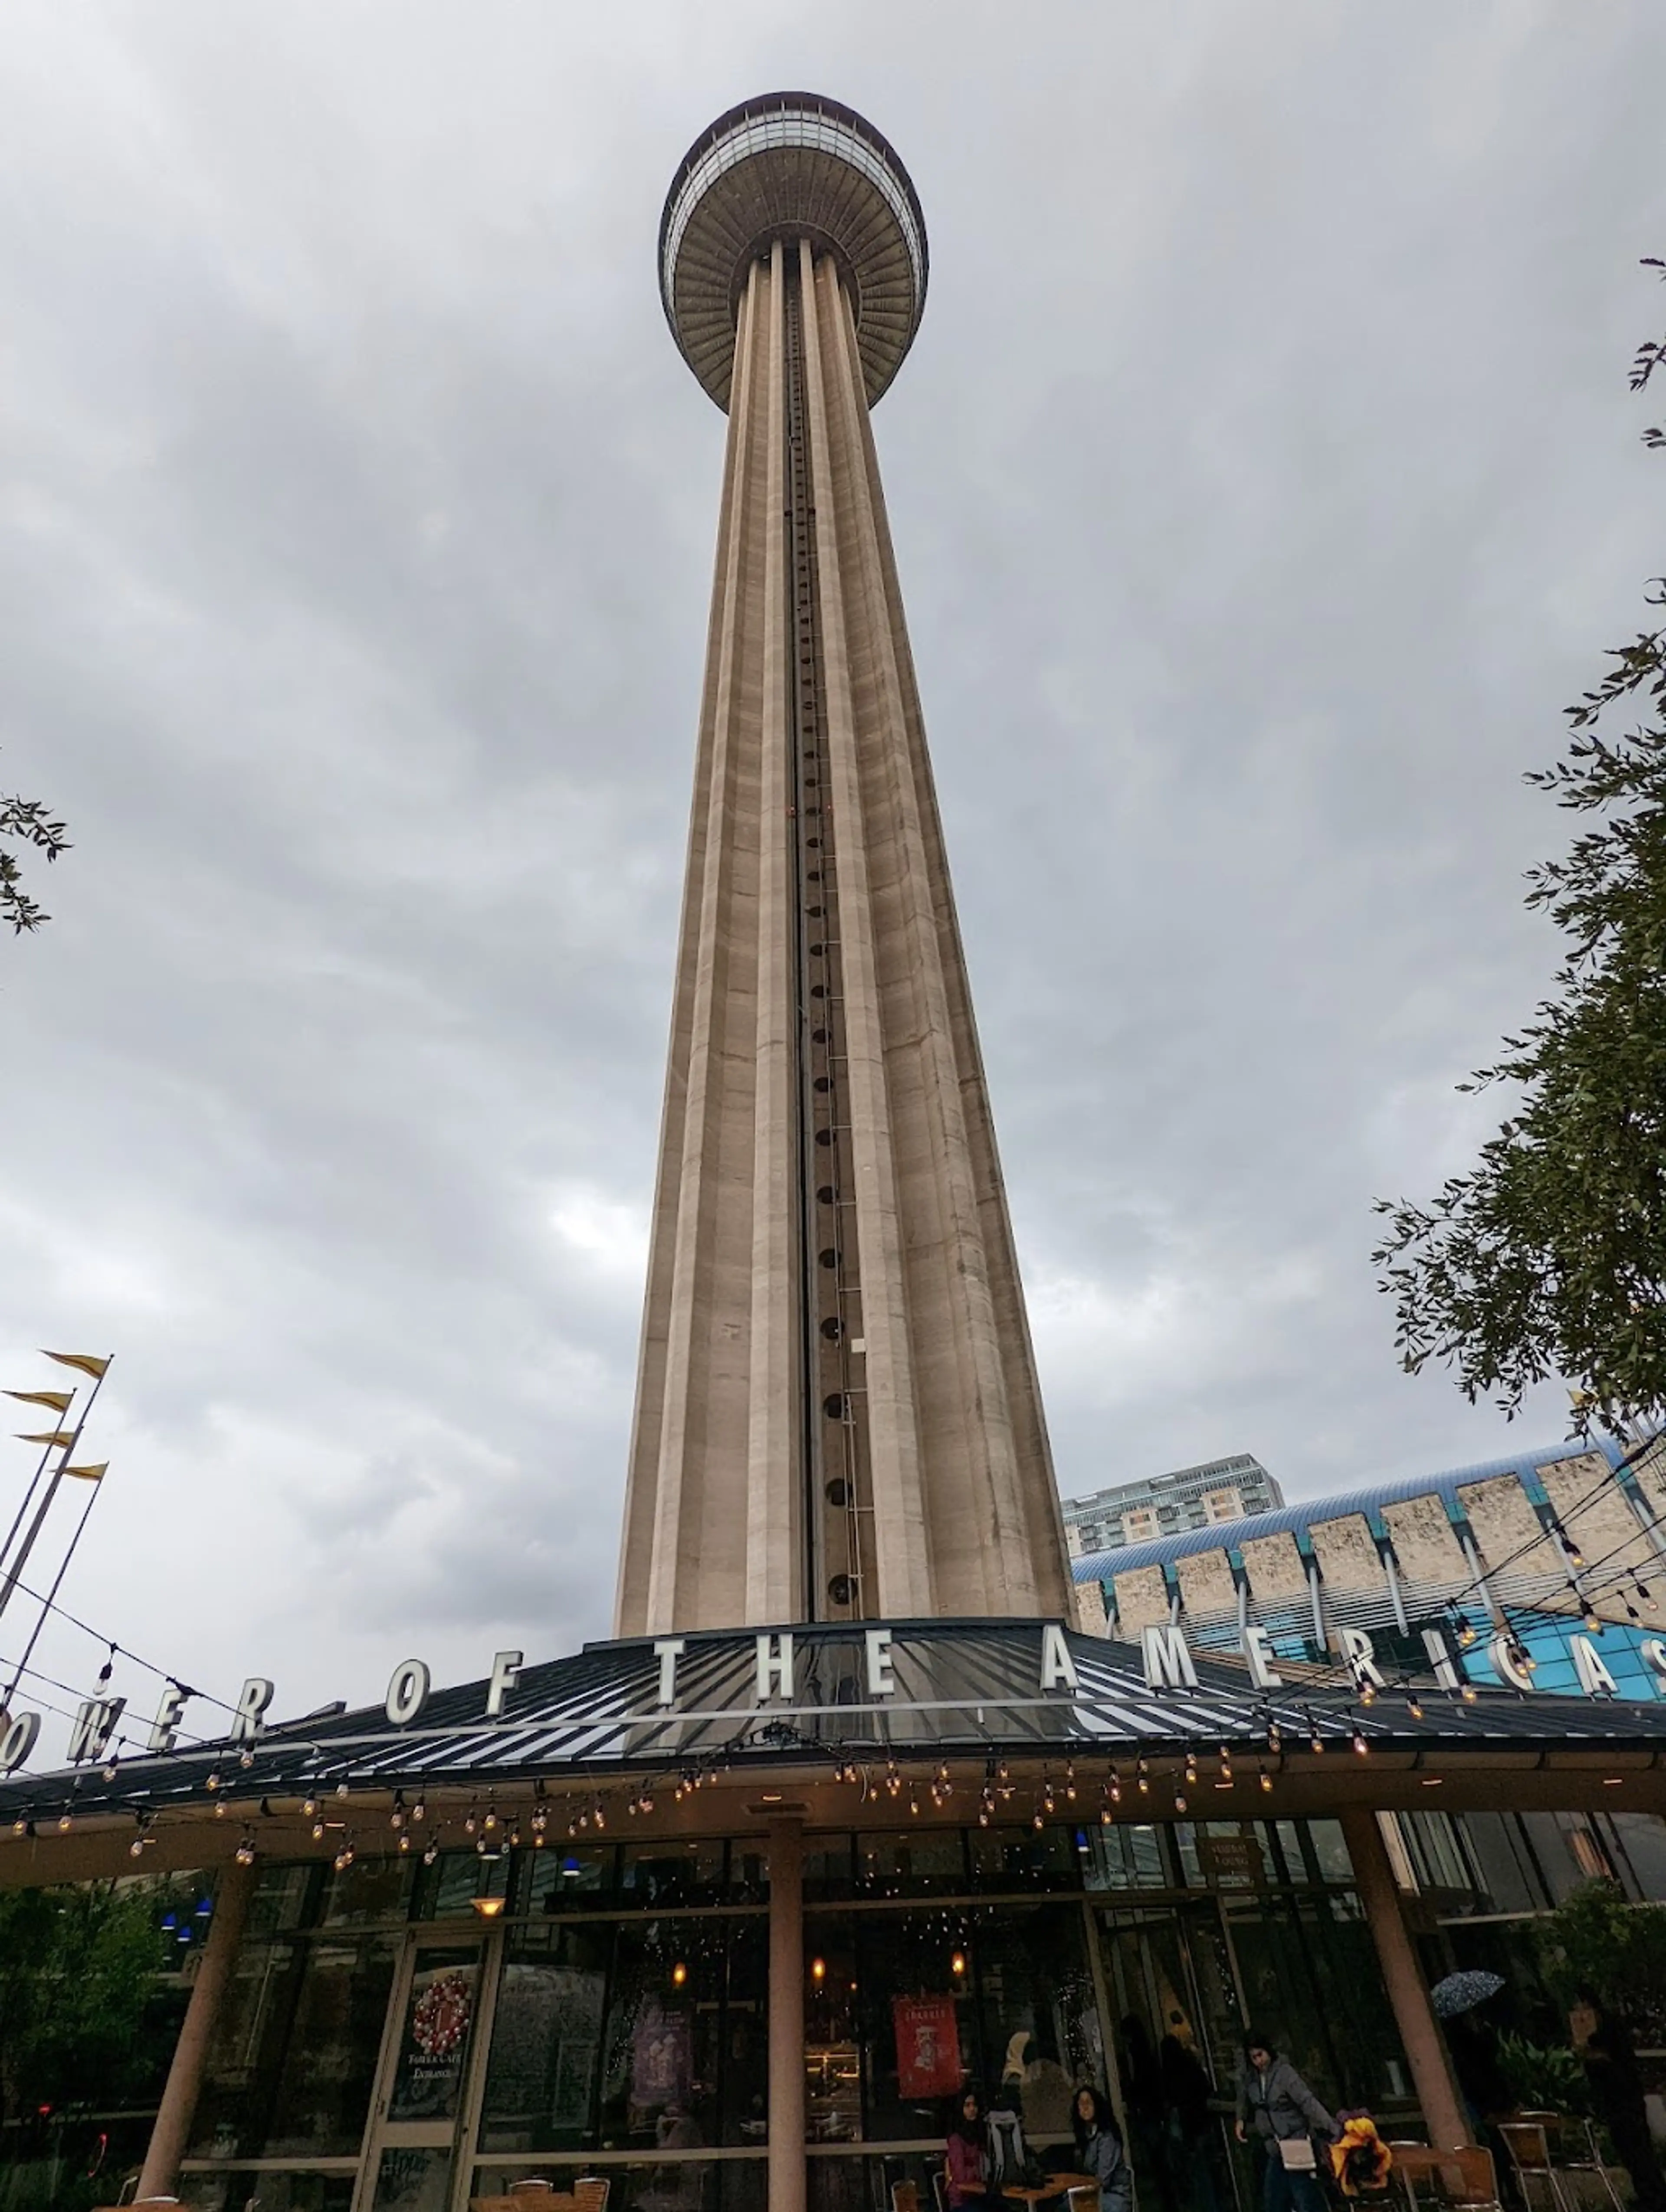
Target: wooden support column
(178, 2109)
(787, 2168)
(1419, 2031)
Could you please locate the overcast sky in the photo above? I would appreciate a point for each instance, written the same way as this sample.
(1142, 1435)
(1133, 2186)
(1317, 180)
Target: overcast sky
(1264, 482)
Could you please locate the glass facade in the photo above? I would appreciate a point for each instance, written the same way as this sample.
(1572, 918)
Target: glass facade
(387, 2046)
(611, 2012)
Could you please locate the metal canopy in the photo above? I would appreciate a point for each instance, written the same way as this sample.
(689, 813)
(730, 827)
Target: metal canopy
(962, 1689)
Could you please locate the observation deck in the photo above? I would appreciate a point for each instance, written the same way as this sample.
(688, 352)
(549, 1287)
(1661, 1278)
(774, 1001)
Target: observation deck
(791, 165)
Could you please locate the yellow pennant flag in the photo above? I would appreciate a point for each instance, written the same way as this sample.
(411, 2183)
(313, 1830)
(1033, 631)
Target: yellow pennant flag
(64, 1437)
(88, 1474)
(87, 1362)
(57, 1401)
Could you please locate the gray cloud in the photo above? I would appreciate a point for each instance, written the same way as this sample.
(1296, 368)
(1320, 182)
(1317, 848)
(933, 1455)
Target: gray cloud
(1263, 481)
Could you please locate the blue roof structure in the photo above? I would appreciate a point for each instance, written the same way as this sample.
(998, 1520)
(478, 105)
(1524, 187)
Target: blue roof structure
(1095, 1566)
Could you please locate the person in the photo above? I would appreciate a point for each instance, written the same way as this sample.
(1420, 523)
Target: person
(1474, 2049)
(1142, 2108)
(967, 2154)
(1277, 2106)
(1043, 2085)
(1604, 2041)
(1186, 2089)
(1099, 2151)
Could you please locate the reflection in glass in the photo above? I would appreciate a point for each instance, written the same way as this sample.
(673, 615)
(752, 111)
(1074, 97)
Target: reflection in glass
(232, 2189)
(294, 2050)
(1028, 1858)
(412, 2181)
(547, 2041)
(569, 1878)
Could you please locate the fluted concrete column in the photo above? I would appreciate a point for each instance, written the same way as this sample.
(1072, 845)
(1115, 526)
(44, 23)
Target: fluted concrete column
(787, 2086)
(177, 2108)
(1419, 2031)
(837, 1411)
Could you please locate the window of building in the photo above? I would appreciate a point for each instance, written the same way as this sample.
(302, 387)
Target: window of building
(1642, 1840)
(1138, 1525)
(1223, 1505)
(296, 2049)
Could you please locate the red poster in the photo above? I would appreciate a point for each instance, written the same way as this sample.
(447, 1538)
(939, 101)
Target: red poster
(927, 2046)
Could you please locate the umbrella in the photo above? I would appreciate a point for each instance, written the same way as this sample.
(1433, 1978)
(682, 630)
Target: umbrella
(1463, 1992)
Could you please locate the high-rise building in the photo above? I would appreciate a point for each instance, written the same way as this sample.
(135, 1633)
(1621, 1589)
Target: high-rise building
(838, 1416)
(1204, 1496)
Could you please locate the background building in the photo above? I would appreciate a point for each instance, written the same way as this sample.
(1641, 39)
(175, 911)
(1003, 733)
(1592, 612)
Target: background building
(1166, 1504)
(1542, 1544)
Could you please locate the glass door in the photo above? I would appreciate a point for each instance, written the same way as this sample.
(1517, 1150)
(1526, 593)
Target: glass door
(1173, 1987)
(422, 2083)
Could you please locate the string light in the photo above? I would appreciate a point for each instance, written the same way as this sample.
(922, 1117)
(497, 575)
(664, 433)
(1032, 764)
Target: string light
(1262, 1775)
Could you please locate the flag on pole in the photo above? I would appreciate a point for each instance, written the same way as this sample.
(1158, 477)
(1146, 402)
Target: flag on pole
(63, 1437)
(87, 1362)
(57, 1401)
(88, 1474)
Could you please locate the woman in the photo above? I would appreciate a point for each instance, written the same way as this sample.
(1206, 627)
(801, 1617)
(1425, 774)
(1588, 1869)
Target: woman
(968, 2156)
(1277, 2106)
(1604, 2042)
(1099, 2151)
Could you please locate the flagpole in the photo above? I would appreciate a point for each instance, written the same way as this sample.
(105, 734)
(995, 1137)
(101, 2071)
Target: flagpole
(17, 1518)
(47, 1601)
(21, 1560)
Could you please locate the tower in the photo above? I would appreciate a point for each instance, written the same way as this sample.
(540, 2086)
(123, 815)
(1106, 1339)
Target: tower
(837, 1415)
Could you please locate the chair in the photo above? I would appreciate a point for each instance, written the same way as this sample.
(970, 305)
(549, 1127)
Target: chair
(1527, 2142)
(1584, 2132)
(1465, 2178)
(941, 2188)
(590, 2192)
(1083, 2198)
(905, 2196)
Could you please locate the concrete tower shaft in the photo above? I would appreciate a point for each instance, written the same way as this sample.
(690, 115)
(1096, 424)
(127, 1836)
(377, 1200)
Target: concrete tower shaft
(838, 1416)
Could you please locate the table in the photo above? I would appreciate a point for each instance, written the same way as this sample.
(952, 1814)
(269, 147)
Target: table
(1055, 2185)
